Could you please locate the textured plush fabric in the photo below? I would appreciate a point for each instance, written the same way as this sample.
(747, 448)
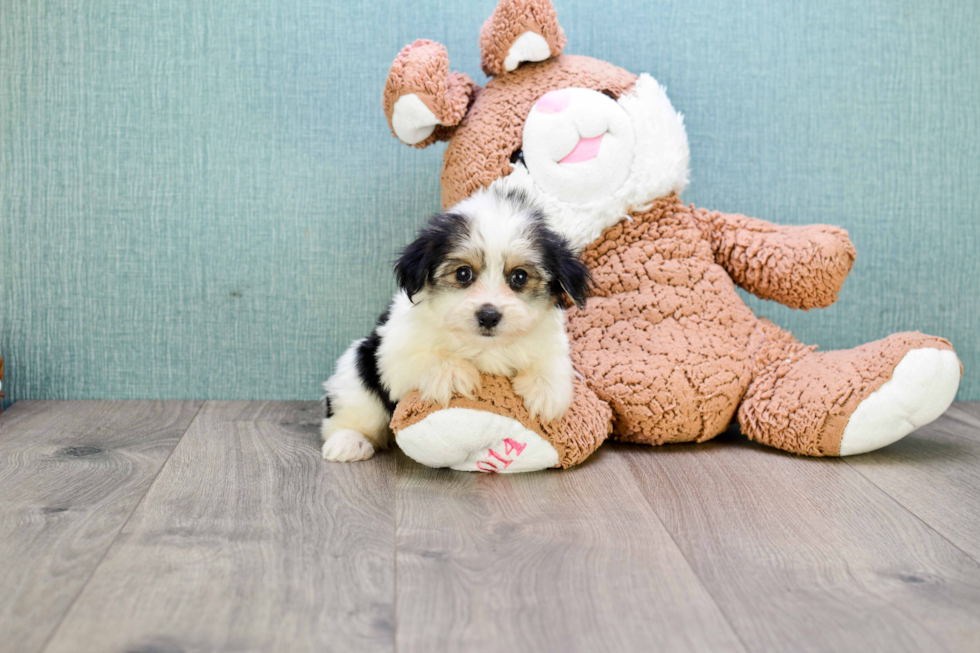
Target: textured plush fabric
(583, 428)
(469, 163)
(666, 341)
(802, 267)
(509, 20)
(422, 68)
(671, 346)
(800, 399)
(202, 199)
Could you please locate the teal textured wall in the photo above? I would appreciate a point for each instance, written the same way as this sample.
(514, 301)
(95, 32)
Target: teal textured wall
(201, 199)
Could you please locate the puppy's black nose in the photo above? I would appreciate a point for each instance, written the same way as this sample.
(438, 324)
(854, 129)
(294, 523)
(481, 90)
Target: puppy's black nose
(488, 316)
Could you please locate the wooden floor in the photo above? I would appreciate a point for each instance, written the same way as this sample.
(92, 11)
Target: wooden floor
(190, 526)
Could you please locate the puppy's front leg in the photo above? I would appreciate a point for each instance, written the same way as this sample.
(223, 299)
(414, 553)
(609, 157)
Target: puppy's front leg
(546, 389)
(449, 376)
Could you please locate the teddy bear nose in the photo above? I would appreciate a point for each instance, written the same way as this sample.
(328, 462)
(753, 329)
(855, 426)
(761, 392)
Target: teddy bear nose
(488, 316)
(554, 102)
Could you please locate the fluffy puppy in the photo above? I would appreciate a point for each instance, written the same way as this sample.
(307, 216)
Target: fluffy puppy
(483, 288)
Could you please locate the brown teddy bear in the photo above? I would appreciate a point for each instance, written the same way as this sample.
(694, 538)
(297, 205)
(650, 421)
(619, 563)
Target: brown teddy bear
(666, 349)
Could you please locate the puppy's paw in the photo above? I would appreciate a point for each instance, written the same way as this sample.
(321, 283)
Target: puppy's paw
(436, 388)
(544, 397)
(347, 446)
(439, 387)
(466, 380)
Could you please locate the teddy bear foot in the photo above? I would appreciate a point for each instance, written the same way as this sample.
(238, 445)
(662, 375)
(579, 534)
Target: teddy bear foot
(920, 390)
(476, 441)
(492, 432)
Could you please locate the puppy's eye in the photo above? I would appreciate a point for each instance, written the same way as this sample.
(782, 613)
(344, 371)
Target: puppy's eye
(518, 279)
(610, 94)
(517, 157)
(464, 275)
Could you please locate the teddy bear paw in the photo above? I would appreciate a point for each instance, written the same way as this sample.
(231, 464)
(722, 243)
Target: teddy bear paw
(476, 441)
(922, 387)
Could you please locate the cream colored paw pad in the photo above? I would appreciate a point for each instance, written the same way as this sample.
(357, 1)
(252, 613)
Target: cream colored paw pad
(922, 387)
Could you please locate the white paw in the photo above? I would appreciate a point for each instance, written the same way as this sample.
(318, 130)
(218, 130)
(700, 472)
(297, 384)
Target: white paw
(347, 446)
(921, 389)
(466, 380)
(461, 378)
(542, 397)
(476, 441)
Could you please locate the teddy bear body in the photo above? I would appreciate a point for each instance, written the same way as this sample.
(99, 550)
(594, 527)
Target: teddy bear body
(667, 349)
(665, 339)
(671, 347)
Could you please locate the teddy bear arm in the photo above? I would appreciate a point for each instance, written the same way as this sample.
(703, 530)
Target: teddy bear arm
(799, 266)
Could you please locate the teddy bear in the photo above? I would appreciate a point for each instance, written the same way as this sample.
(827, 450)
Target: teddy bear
(665, 350)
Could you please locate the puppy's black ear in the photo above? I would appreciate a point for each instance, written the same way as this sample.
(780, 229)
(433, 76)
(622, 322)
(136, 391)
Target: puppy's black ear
(413, 265)
(418, 262)
(574, 282)
(571, 281)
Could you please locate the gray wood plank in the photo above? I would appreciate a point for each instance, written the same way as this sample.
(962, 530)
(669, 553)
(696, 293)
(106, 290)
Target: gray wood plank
(569, 560)
(248, 541)
(935, 473)
(805, 554)
(71, 473)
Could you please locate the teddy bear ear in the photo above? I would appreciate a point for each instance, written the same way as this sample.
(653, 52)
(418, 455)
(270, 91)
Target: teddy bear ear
(423, 101)
(519, 31)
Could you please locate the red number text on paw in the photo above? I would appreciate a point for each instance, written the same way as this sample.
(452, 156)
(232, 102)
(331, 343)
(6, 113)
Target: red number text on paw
(494, 462)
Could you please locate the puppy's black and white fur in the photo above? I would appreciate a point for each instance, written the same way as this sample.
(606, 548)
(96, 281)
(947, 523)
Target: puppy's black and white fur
(483, 288)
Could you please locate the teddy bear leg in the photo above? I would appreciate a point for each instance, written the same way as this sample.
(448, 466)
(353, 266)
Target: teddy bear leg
(492, 432)
(839, 403)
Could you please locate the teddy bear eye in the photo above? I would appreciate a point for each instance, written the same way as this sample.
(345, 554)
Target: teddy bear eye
(517, 156)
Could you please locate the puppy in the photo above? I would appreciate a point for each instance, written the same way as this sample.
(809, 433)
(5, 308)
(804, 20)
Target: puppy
(483, 288)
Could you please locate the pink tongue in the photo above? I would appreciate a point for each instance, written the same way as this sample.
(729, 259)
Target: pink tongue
(587, 148)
